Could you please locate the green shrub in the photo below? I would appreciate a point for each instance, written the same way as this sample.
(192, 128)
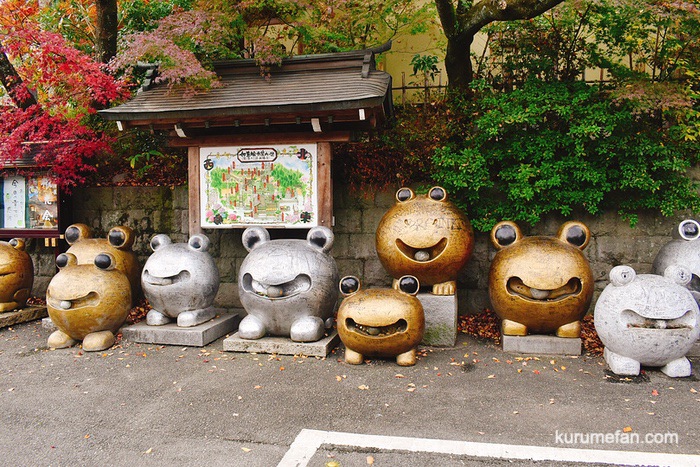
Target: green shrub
(564, 147)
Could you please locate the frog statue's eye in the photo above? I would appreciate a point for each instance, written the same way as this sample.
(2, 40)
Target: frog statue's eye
(622, 275)
(121, 237)
(159, 241)
(437, 193)
(105, 261)
(404, 194)
(65, 259)
(575, 233)
(409, 285)
(76, 232)
(199, 242)
(349, 285)
(504, 234)
(689, 229)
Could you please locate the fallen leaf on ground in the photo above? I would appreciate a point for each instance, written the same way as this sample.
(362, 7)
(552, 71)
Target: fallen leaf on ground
(246, 449)
(627, 429)
(363, 387)
(370, 460)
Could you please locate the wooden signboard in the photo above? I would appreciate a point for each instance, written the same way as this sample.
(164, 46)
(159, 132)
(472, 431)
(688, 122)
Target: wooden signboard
(269, 185)
(274, 184)
(29, 206)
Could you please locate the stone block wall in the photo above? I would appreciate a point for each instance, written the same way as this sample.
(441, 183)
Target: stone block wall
(153, 210)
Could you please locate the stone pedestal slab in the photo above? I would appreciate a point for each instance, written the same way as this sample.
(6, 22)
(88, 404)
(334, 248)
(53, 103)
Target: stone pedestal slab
(282, 345)
(30, 313)
(542, 345)
(440, 319)
(172, 334)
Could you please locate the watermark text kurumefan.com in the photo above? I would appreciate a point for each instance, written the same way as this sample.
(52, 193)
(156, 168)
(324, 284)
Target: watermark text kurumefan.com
(617, 437)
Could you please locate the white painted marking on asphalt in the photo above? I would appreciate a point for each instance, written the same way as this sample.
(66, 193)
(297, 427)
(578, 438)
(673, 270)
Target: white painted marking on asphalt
(308, 442)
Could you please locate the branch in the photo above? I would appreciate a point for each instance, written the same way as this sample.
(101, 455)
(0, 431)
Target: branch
(13, 83)
(488, 11)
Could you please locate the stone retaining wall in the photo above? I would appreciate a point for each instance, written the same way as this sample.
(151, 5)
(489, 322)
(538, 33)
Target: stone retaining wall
(153, 210)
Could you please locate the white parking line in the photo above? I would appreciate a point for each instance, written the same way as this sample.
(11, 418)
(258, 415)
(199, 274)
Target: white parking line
(308, 442)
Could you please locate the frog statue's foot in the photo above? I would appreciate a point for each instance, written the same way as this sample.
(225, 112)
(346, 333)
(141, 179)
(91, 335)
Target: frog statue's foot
(570, 330)
(156, 318)
(251, 328)
(407, 358)
(512, 328)
(96, 341)
(191, 318)
(307, 329)
(60, 340)
(445, 288)
(620, 365)
(352, 357)
(678, 368)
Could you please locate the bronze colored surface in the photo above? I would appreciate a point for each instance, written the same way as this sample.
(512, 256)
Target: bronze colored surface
(540, 284)
(381, 323)
(16, 275)
(83, 299)
(426, 238)
(118, 243)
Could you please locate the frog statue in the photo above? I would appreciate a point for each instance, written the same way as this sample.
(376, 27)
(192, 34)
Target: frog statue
(540, 284)
(287, 286)
(87, 302)
(647, 319)
(180, 281)
(118, 243)
(427, 237)
(16, 275)
(683, 251)
(381, 322)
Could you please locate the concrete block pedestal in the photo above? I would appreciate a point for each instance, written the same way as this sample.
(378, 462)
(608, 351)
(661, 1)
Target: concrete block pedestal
(225, 322)
(542, 345)
(282, 345)
(440, 319)
(30, 313)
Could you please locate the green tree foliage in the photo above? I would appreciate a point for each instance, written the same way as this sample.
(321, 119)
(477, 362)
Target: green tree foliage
(536, 139)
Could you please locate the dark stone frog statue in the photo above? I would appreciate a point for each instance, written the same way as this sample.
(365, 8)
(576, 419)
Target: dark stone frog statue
(540, 284)
(16, 275)
(180, 281)
(387, 323)
(647, 319)
(87, 302)
(118, 243)
(287, 286)
(427, 237)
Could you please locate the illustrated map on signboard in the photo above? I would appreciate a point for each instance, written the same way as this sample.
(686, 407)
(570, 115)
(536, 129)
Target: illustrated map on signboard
(272, 185)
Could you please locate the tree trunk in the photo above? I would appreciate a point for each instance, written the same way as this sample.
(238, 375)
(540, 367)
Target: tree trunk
(458, 62)
(13, 83)
(106, 46)
(461, 21)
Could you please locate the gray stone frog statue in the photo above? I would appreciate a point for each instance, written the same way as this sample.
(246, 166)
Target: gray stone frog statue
(288, 287)
(647, 319)
(683, 251)
(180, 281)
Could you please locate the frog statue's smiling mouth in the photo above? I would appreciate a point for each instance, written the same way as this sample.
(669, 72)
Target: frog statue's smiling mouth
(376, 331)
(516, 286)
(90, 300)
(422, 255)
(636, 321)
(150, 279)
(299, 284)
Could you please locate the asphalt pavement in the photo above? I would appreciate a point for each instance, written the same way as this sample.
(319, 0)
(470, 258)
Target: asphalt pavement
(138, 404)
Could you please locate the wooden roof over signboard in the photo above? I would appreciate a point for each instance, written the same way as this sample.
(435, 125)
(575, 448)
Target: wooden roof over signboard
(326, 92)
